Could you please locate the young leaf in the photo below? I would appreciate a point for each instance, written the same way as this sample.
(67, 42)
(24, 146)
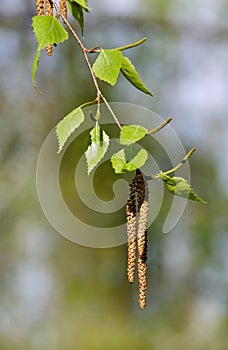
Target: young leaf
(179, 186)
(107, 65)
(130, 73)
(98, 147)
(82, 3)
(138, 161)
(132, 133)
(119, 162)
(87, 142)
(34, 67)
(67, 125)
(77, 12)
(48, 30)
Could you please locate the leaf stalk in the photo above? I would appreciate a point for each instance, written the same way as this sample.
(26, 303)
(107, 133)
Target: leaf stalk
(97, 49)
(129, 46)
(159, 127)
(178, 166)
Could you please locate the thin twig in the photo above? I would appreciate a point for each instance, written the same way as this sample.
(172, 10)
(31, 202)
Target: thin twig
(84, 51)
(129, 46)
(90, 103)
(97, 49)
(111, 111)
(178, 166)
(159, 127)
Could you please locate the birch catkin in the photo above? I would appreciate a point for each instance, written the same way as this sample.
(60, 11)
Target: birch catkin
(63, 8)
(143, 213)
(49, 12)
(40, 7)
(142, 269)
(131, 232)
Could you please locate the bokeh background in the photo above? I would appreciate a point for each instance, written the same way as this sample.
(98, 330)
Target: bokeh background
(57, 295)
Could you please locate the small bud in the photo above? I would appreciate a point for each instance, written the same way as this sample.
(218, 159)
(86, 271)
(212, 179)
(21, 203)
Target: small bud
(97, 116)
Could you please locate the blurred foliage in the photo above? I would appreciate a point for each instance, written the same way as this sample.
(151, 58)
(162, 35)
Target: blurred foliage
(58, 295)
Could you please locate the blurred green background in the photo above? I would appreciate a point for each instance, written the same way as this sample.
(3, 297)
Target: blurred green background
(55, 294)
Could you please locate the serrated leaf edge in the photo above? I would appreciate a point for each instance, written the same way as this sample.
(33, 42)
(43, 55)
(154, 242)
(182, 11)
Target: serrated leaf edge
(132, 160)
(144, 88)
(124, 168)
(134, 125)
(86, 8)
(38, 52)
(103, 52)
(190, 188)
(56, 128)
(108, 142)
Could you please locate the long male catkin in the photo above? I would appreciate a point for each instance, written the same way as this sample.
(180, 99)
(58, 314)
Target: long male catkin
(143, 213)
(142, 269)
(49, 12)
(63, 7)
(40, 7)
(131, 232)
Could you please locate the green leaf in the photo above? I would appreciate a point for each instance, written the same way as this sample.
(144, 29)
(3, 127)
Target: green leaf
(107, 65)
(87, 142)
(132, 133)
(34, 67)
(98, 147)
(120, 164)
(179, 186)
(48, 30)
(118, 161)
(77, 12)
(68, 124)
(130, 73)
(138, 161)
(81, 3)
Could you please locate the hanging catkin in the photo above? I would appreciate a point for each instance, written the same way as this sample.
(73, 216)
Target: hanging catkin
(142, 268)
(131, 232)
(40, 7)
(63, 7)
(143, 212)
(48, 12)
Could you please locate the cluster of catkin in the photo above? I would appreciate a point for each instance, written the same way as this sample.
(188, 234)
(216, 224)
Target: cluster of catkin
(137, 209)
(45, 8)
